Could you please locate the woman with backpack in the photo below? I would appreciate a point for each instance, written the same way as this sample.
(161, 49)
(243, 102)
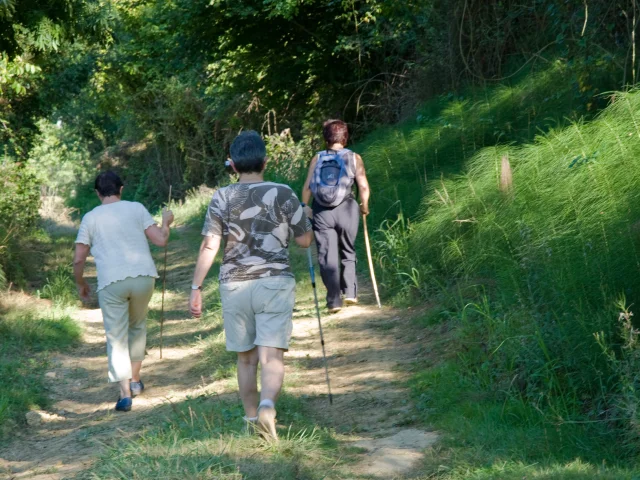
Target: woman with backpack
(336, 213)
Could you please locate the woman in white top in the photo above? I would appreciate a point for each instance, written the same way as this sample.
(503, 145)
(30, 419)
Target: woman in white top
(116, 234)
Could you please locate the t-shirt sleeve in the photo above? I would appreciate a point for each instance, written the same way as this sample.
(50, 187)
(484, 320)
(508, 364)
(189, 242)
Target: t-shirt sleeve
(84, 233)
(213, 219)
(146, 219)
(298, 220)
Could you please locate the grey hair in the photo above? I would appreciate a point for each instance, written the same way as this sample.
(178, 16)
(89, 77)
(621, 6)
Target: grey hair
(248, 152)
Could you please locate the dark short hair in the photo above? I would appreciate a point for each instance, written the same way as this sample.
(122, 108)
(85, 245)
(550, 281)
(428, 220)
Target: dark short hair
(335, 131)
(108, 183)
(248, 152)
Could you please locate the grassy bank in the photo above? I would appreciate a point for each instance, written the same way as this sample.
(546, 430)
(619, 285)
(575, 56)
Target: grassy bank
(536, 275)
(404, 161)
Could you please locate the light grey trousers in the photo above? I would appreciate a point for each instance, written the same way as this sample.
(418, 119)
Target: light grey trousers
(124, 306)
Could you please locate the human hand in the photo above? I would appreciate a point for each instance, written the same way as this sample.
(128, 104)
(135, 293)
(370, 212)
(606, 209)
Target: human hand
(364, 209)
(308, 212)
(167, 217)
(195, 303)
(84, 290)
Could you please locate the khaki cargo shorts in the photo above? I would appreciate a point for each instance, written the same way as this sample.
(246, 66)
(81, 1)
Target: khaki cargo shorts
(258, 312)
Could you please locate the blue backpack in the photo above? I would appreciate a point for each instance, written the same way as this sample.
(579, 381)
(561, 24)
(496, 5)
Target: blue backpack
(333, 177)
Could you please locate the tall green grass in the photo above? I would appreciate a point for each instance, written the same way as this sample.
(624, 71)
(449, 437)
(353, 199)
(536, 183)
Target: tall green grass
(529, 274)
(553, 253)
(404, 160)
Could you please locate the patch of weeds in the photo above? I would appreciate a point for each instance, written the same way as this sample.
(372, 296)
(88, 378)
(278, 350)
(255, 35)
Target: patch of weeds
(434, 316)
(215, 361)
(60, 287)
(383, 326)
(77, 373)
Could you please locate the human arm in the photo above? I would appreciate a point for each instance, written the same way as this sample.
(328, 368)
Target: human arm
(363, 186)
(79, 260)
(306, 190)
(159, 236)
(208, 251)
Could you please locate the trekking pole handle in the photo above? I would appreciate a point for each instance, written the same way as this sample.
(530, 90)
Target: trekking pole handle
(311, 269)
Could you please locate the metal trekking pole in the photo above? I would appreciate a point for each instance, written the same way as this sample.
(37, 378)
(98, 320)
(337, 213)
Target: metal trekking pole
(315, 297)
(164, 281)
(373, 274)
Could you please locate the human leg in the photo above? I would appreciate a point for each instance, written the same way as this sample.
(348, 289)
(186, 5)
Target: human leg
(135, 371)
(141, 290)
(271, 379)
(347, 222)
(272, 372)
(273, 302)
(328, 256)
(240, 333)
(113, 300)
(248, 381)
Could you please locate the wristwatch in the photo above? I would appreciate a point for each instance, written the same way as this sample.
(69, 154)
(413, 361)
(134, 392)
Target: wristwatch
(196, 287)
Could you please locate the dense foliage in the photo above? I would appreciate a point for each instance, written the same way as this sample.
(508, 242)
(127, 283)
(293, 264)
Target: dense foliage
(158, 88)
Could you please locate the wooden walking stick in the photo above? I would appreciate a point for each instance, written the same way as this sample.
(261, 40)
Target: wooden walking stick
(164, 281)
(373, 274)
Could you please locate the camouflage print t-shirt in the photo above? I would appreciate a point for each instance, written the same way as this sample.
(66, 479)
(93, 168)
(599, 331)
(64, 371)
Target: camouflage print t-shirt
(256, 221)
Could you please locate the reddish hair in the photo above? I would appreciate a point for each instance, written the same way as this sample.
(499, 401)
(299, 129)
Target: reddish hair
(335, 131)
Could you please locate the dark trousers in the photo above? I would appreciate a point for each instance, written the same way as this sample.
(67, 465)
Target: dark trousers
(335, 230)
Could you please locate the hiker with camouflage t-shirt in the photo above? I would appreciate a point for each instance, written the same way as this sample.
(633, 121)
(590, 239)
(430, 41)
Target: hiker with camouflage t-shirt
(256, 219)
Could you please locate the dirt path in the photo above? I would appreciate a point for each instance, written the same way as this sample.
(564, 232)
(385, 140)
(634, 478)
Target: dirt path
(370, 352)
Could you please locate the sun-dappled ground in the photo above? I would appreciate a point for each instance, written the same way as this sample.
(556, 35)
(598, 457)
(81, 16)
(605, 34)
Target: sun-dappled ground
(188, 423)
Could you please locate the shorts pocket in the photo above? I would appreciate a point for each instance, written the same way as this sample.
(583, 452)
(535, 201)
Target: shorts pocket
(278, 297)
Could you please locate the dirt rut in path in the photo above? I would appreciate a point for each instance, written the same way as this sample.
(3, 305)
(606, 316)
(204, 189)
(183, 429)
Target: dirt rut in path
(370, 353)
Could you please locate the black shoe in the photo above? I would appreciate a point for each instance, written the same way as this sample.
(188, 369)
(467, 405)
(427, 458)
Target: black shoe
(124, 404)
